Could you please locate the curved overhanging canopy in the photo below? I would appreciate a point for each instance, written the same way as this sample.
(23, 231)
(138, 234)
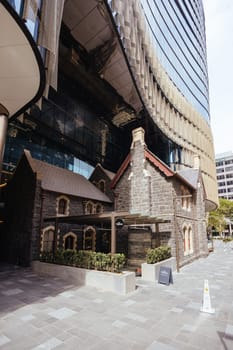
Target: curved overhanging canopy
(22, 73)
(124, 58)
(90, 25)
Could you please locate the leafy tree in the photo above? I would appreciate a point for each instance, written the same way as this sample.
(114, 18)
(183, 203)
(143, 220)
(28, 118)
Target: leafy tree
(217, 218)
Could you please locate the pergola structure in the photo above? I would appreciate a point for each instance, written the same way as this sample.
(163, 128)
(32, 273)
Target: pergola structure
(116, 218)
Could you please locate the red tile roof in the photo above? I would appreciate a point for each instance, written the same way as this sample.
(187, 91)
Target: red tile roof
(158, 163)
(121, 171)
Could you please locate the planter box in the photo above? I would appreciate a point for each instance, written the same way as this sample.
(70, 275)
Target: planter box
(120, 283)
(150, 272)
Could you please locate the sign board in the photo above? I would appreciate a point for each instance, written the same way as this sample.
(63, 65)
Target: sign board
(119, 223)
(165, 275)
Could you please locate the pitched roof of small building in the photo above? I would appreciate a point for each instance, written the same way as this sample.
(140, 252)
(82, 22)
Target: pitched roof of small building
(64, 181)
(191, 175)
(109, 173)
(160, 165)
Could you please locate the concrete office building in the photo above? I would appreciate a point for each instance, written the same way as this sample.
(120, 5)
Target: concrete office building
(224, 169)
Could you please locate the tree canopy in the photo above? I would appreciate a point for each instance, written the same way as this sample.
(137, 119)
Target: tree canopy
(217, 218)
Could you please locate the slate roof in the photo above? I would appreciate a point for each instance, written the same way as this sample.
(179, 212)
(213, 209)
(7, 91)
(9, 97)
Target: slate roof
(64, 181)
(109, 173)
(190, 175)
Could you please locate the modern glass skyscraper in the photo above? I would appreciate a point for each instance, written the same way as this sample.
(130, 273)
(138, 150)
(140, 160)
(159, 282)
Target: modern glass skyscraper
(165, 44)
(111, 66)
(178, 34)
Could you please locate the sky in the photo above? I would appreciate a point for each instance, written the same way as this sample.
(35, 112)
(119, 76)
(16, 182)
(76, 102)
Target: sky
(219, 35)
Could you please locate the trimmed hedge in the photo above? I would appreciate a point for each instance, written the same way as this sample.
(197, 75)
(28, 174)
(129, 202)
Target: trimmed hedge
(86, 259)
(158, 254)
(227, 239)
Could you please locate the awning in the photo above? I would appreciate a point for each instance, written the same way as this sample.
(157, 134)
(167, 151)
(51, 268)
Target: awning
(108, 217)
(129, 219)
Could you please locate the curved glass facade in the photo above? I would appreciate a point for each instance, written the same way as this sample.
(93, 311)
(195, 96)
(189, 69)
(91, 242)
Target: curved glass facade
(178, 32)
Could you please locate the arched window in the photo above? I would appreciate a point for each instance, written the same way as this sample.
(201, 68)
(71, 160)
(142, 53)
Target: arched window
(99, 208)
(190, 240)
(89, 208)
(185, 236)
(70, 241)
(63, 205)
(101, 185)
(89, 239)
(47, 239)
(185, 199)
(187, 240)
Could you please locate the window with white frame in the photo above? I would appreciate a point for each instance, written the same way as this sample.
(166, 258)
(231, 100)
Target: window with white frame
(185, 198)
(47, 239)
(101, 185)
(70, 241)
(187, 239)
(89, 238)
(89, 208)
(99, 208)
(63, 204)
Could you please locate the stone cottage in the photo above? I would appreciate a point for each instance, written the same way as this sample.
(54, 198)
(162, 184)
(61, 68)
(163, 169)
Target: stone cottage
(49, 208)
(145, 185)
(39, 190)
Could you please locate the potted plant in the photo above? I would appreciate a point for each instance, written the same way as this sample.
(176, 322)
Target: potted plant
(155, 258)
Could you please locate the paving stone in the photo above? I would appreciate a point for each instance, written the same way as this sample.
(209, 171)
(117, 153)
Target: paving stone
(4, 340)
(50, 344)
(119, 324)
(229, 330)
(129, 302)
(67, 294)
(160, 317)
(62, 313)
(98, 301)
(177, 310)
(11, 292)
(188, 328)
(24, 280)
(160, 346)
(27, 318)
(136, 317)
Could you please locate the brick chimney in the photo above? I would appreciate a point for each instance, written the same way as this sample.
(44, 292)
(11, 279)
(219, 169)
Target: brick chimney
(140, 177)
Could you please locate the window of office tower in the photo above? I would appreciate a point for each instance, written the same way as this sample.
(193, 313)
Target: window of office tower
(179, 40)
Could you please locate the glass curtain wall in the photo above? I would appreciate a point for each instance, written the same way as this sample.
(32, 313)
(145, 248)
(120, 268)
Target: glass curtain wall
(178, 32)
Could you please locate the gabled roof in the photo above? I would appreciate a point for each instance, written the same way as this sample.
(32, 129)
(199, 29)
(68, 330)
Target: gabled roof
(64, 181)
(152, 158)
(168, 172)
(191, 175)
(108, 173)
(160, 165)
(121, 170)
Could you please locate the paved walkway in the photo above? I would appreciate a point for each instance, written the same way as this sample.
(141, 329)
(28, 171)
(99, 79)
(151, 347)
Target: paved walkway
(44, 313)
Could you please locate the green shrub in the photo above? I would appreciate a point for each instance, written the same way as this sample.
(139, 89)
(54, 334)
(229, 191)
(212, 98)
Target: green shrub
(86, 259)
(46, 257)
(227, 239)
(158, 254)
(118, 262)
